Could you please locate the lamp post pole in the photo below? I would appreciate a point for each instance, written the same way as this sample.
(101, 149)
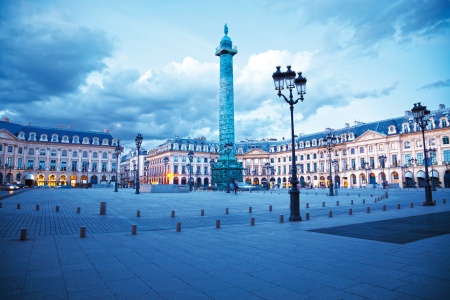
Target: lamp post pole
(211, 165)
(367, 168)
(329, 144)
(166, 161)
(191, 159)
(268, 167)
(279, 79)
(138, 141)
(228, 147)
(382, 160)
(421, 115)
(118, 151)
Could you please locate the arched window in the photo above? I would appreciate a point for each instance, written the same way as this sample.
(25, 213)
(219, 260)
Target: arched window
(444, 123)
(105, 155)
(64, 153)
(85, 154)
(94, 154)
(75, 154)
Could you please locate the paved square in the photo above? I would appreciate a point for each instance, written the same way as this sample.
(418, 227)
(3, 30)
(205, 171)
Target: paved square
(270, 260)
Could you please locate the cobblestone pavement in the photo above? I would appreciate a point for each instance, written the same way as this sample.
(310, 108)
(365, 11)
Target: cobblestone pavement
(155, 209)
(271, 260)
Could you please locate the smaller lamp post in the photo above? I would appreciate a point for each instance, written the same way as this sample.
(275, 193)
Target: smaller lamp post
(191, 159)
(336, 169)
(166, 161)
(138, 141)
(87, 175)
(382, 160)
(329, 144)
(118, 151)
(432, 154)
(228, 147)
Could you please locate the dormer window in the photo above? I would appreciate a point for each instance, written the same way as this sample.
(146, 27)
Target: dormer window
(76, 140)
(21, 135)
(43, 138)
(314, 142)
(95, 141)
(54, 138)
(85, 140)
(105, 142)
(307, 144)
(114, 143)
(65, 139)
(391, 130)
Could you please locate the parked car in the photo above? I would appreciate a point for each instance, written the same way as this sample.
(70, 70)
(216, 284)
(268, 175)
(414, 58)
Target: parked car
(245, 186)
(8, 187)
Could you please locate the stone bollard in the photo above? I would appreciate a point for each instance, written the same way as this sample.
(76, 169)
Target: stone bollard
(138, 213)
(78, 210)
(281, 218)
(307, 205)
(82, 231)
(330, 214)
(337, 203)
(384, 207)
(351, 202)
(364, 201)
(307, 216)
(323, 204)
(178, 226)
(133, 229)
(250, 209)
(252, 221)
(368, 209)
(386, 195)
(359, 195)
(23, 234)
(217, 224)
(1, 205)
(102, 208)
(18, 205)
(202, 212)
(375, 200)
(172, 214)
(57, 208)
(371, 195)
(270, 207)
(443, 200)
(350, 211)
(226, 211)
(37, 206)
(398, 206)
(348, 194)
(411, 205)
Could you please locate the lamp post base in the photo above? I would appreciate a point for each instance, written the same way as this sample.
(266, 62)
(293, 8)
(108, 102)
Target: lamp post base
(427, 203)
(295, 205)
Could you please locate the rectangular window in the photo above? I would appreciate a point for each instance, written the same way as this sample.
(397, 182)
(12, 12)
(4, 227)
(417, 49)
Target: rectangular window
(175, 169)
(199, 159)
(63, 166)
(279, 170)
(420, 161)
(183, 158)
(42, 165)
(362, 162)
(315, 167)
(393, 146)
(94, 167)
(19, 163)
(406, 145)
(205, 169)
(272, 160)
(30, 165)
(361, 150)
(205, 160)
(381, 147)
(308, 167)
(394, 160)
(446, 156)
(408, 159)
(104, 166)
(372, 162)
(183, 169)
(284, 169)
(353, 164)
(175, 158)
(52, 165)
(370, 148)
(74, 166)
(10, 149)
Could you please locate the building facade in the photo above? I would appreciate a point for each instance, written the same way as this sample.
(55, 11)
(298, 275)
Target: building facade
(40, 156)
(355, 157)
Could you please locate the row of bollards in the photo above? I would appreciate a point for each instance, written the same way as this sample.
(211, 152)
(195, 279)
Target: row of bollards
(24, 233)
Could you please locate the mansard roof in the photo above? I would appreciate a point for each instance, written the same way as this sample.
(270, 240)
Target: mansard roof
(16, 129)
(351, 132)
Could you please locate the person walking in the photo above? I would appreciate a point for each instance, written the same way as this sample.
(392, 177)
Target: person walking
(235, 185)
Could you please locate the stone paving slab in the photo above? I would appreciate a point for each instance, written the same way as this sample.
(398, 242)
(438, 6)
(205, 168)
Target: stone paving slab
(270, 260)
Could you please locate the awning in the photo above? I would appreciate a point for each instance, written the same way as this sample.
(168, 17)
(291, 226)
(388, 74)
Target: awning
(29, 177)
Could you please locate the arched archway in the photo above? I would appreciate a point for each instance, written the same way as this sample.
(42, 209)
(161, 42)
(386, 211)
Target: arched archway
(73, 180)
(322, 181)
(279, 182)
(372, 178)
(183, 180)
(199, 182)
(421, 178)
(52, 180)
(63, 180)
(409, 180)
(434, 177)
(248, 180)
(175, 180)
(353, 179)
(206, 181)
(284, 182)
(94, 179)
(29, 180)
(256, 181)
(41, 180)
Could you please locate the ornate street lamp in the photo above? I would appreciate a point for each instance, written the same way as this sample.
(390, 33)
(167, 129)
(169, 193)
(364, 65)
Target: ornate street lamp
(228, 147)
(382, 160)
(138, 141)
(329, 144)
(87, 175)
(166, 161)
(191, 159)
(279, 79)
(118, 151)
(421, 115)
(268, 167)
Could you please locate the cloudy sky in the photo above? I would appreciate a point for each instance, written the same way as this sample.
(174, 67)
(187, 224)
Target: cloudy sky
(149, 66)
